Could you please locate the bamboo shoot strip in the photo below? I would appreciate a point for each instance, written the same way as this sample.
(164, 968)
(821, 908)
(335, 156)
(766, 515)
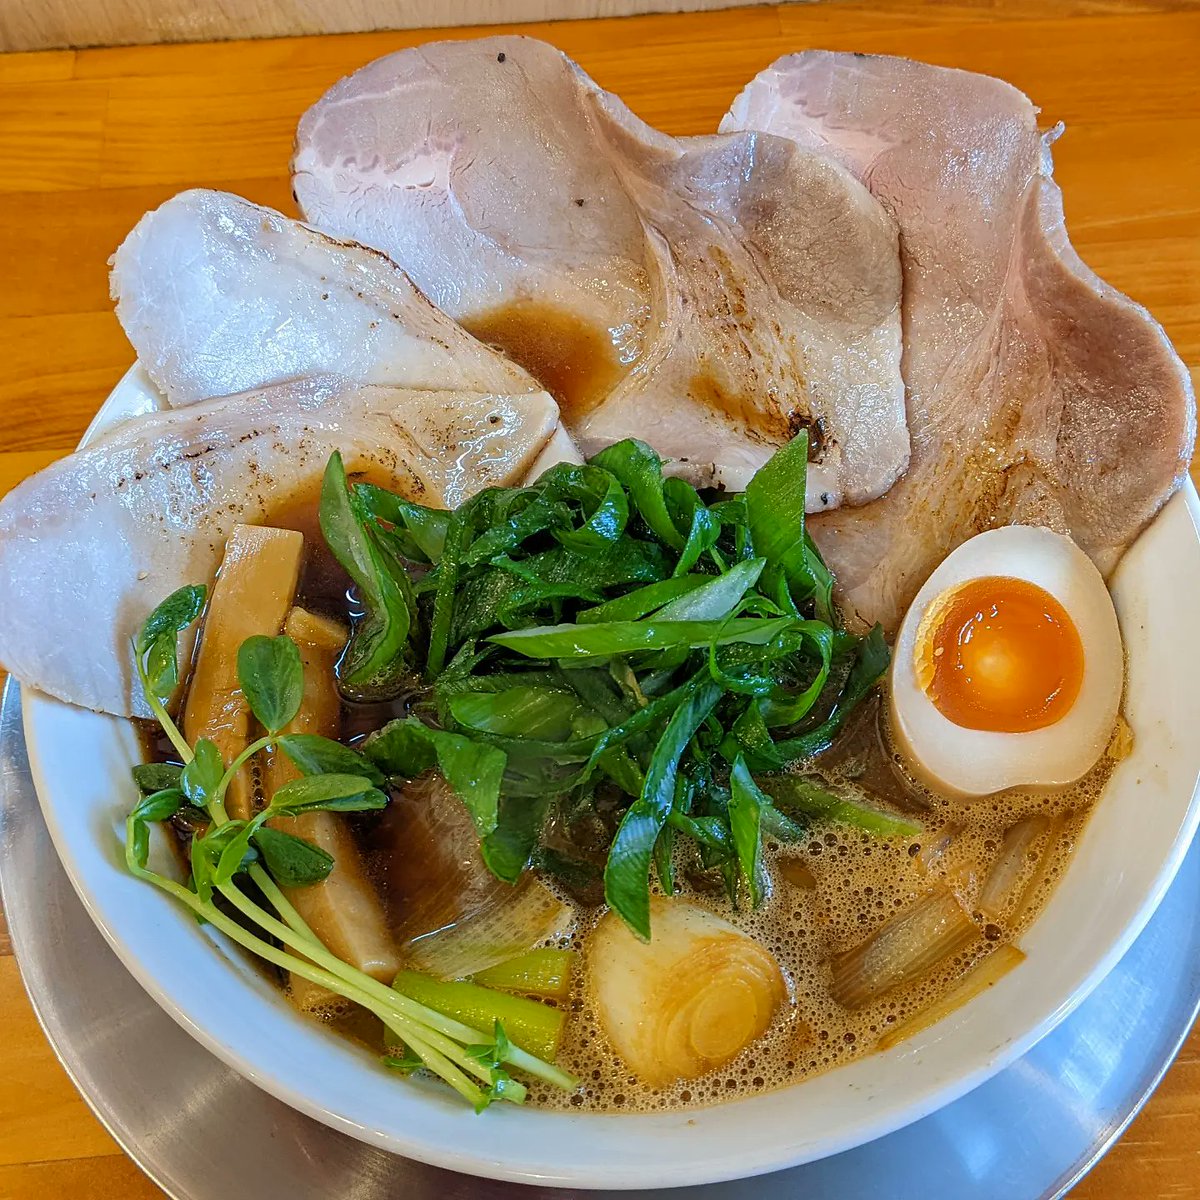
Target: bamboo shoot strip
(252, 595)
(343, 909)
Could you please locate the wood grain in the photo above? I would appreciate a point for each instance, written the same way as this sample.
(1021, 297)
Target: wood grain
(138, 22)
(42, 1116)
(111, 1177)
(92, 139)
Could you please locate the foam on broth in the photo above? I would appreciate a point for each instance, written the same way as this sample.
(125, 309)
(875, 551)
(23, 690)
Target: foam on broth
(829, 893)
(857, 882)
(860, 881)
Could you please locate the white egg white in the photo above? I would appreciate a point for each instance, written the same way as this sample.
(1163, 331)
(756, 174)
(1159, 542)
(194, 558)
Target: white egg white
(971, 762)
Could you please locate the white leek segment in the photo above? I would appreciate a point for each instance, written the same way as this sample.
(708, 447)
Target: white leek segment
(688, 1001)
(529, 915)
(1058, 840)
(1012, 865)
(456, 917)
(902, 949)
(436, 878)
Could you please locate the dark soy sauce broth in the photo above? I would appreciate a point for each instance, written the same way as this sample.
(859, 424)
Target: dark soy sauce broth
(828, 893)
(576, 362)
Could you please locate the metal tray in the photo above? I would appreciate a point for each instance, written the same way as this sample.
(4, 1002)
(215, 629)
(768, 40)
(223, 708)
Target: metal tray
(202, 1132)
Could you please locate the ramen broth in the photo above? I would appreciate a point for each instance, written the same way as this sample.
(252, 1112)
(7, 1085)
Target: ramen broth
(828, 893)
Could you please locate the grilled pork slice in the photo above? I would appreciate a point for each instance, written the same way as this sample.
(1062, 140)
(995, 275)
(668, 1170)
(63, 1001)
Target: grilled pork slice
(711, 295)
(1036, 392)
(91, 544)
(219, 296)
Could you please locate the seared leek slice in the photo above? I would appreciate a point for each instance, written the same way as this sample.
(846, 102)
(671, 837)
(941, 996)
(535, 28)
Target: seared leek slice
(688, 1001)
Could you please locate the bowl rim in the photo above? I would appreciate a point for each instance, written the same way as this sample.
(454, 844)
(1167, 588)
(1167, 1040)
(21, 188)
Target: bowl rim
(560, 1148)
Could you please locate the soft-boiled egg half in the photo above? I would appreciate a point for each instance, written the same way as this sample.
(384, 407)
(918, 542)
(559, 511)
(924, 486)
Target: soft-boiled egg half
(1008, 667)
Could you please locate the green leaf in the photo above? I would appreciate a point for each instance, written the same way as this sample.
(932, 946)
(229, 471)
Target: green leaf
(775, 501)
(493, 1054)
(646, 719)
(508, 849)
(717, 598)
(525, 711)
(443, 598)
(664, 858)
(317, 755)
(627, 872)
(328, 793)
(213, 862)
(602, 692)
(172, 616)
(292, 861)
(639, 469)
(601, 497)
(740, 670)
(162, 668)
(664, 846)
(785, 707)
(420, 531)
(158, 806)
(688, 512)
(821, 579)
(731, 514)
(781, 827)
(231, 844)
(775, 511)
(529, 514)
(820, 804)
(712, 832)
(503, 1048)
(505, 1087)
(626, 637)
(617, 763)
(746, 805)
(501, 1086)
(514, 609)
(200, 778)
(156, 777)
(271, 677)
(374, 659)
(870, 662)
(452, 683)
(525, 753)
(481, 599)
(157, 642)
(407, 747)
(643, 601)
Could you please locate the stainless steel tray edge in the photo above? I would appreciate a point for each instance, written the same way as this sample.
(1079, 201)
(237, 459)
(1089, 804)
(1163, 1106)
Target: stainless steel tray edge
(202, 1132)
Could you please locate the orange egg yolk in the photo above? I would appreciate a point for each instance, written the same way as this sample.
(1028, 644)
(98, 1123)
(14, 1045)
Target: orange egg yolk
(1000, 654)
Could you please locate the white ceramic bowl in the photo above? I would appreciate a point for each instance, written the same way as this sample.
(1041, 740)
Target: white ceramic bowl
(1132, 846)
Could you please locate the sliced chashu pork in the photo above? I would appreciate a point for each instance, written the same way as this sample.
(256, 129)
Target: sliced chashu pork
(1036, 392)
(92, 543)
(710, 295)
(218, 295)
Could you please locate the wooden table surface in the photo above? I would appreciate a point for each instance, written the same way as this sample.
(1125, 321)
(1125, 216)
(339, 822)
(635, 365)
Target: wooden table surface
(90, 140)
